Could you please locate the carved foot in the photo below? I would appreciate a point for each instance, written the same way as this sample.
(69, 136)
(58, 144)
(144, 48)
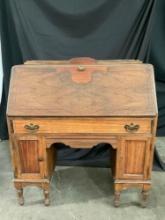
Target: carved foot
(47, 199)
(20, 196)
(145, 195)
(117, 199)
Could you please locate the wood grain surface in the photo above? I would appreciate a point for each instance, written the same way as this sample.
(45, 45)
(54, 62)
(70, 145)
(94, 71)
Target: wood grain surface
(48, 90)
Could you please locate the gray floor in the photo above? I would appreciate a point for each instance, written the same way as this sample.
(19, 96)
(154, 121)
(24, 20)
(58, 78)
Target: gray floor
(79, 194)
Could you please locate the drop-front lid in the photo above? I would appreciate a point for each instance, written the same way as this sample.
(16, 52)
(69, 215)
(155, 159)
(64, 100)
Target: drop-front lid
(90, 88)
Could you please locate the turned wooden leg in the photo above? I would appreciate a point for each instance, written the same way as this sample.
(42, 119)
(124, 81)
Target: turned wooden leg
(20, 196)
(47, 199)
(145, 195)
(117, 199)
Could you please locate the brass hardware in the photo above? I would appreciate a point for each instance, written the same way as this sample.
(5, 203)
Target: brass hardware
(31, 127)
(81, 68)
(132, 127)
(40, 159)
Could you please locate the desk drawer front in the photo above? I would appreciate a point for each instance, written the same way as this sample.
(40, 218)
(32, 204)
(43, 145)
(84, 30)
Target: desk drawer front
(82, 125)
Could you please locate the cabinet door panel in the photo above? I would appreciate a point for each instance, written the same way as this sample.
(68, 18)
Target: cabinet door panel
(134, 158)
(29, 154)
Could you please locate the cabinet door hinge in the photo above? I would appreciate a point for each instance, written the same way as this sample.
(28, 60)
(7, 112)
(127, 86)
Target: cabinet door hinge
(15, 172)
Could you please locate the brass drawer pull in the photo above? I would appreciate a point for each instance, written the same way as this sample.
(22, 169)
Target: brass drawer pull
(132, 127)
(31, 127)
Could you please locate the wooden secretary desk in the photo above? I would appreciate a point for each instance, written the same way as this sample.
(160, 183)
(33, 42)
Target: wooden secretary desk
(82, 102)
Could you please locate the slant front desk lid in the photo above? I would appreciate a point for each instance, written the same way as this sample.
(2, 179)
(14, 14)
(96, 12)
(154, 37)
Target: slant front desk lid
(76, 89)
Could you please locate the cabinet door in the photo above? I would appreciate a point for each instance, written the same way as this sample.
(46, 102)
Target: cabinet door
(135, 158)
(29, 155)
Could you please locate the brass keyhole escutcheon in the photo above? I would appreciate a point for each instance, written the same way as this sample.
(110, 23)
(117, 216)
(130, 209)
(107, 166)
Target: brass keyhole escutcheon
(40, 159)
(81, 68)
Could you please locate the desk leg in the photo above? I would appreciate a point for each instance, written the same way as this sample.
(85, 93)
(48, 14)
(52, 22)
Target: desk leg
(145, 195)
(47, 199)
(117, 199)
(144, 201)
(19, 190)
(20, 196)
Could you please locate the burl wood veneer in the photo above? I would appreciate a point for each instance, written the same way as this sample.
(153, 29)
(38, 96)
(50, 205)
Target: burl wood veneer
(82, 102)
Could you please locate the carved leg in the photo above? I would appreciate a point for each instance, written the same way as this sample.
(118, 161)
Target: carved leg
(117, 199)
(145, 195)
(47, 199)
(20, 196)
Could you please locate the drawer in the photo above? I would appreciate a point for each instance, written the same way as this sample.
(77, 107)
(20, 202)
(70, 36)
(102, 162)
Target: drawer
(83, 125)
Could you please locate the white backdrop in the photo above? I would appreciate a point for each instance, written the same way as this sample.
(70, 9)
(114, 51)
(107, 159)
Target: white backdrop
(0, 71)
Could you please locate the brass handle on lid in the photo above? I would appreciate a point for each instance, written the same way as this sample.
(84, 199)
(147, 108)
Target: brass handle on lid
(32, 127)
(132, 128)
(81, 68)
